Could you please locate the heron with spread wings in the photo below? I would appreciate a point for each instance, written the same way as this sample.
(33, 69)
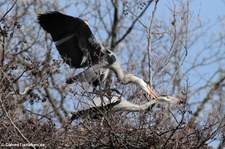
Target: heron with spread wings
(80, 49)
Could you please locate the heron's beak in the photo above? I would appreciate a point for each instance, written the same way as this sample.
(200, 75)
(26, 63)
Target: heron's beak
(173, 99)
(150, 91)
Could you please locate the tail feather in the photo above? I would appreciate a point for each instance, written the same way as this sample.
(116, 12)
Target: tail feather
(94, 75)
(87, 75)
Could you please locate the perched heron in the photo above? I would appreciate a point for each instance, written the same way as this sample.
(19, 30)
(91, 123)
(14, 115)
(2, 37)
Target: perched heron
(115, 102)
(80, 49)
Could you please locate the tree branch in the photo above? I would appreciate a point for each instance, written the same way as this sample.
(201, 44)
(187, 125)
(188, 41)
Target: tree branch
(14, 125)
(215, 87)
(150, 45)
(134, 22)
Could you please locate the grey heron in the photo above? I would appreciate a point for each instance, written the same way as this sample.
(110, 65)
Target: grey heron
(80, 49)
(115, 102)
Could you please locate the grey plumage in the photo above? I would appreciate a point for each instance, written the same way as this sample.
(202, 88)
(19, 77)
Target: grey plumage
(80, 49)
(116, 102)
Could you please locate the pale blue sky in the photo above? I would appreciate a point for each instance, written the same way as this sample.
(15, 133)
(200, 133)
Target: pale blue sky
(208, 12)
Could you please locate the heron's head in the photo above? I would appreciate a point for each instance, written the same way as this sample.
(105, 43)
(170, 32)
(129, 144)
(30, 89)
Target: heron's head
(141, 83)
(168, 98)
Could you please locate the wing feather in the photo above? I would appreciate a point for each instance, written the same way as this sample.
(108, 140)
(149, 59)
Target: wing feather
(74, 39)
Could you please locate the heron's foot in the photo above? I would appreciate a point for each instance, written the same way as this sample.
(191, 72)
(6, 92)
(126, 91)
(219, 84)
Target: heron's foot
(84, 59)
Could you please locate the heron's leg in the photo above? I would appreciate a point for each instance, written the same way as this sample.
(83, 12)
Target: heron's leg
(85, 55)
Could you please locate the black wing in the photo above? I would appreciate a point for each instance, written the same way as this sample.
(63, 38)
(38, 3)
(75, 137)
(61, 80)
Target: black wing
(73, 38)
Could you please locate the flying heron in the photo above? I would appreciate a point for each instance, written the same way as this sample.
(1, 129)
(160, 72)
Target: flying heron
(80, 49)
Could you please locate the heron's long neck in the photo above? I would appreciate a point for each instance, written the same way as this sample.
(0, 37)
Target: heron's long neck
(129, 106)
(127, 78)
(116, 67)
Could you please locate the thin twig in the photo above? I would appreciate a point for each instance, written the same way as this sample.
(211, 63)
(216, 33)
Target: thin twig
(14, 125)
(8, 11)
(149, 31)
(134, 22)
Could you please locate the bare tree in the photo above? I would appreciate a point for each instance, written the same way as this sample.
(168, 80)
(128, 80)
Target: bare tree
(172, 53)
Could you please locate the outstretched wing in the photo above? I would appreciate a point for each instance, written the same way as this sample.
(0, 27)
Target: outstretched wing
(73, 38)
